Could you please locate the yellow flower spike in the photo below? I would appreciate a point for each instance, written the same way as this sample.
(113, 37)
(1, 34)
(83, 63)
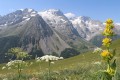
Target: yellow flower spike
(108, 32)
(109, 26)
(108, 54)
(105, 53)
(106, 40)
(109, 21)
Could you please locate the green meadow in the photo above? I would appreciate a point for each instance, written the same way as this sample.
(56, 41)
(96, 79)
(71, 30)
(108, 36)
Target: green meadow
(81, 67)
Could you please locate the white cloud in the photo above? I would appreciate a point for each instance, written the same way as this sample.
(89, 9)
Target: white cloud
(69, 15)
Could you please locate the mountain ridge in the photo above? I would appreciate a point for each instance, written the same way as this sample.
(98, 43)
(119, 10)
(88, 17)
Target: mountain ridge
(48, 32)
(37, 36)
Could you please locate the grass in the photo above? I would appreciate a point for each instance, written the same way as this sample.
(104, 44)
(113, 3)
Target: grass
(81, 67)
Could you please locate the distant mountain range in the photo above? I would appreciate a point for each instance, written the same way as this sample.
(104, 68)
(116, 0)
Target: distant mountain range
(48, 32)
(39, 33)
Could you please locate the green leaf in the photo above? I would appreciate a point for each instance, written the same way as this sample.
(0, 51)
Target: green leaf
(113, 65)
(103, 75)
(114, 52)
(112, 68)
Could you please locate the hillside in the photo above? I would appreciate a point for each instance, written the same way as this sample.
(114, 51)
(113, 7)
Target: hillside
(83, 65)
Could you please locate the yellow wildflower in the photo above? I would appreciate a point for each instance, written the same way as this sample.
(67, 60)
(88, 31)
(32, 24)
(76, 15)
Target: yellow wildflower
(109, 26)
(109, 21)
(106, 40)
(108, 32)
(105, 53)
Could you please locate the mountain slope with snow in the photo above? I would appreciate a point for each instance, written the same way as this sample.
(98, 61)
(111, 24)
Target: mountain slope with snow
(39, 33)
(57, 20)
(91, 30)
(63, 26)
(49, 31)
(35, 36)
(87, 27)
(16, 17)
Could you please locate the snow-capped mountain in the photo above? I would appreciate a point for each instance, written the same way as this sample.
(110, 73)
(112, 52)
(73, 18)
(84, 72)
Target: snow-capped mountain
(68, 26)
(57, 20)
(117, 28)
(86, 27)
(49, 31)
(39, 33)
(63, 26)
(89, 28)
(16, 17)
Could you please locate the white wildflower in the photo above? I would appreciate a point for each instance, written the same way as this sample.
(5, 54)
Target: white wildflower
(97, 50)
(14, 63)
(61, 58)
(31, 63)
(48, 58)
(5, 79)
(52, 63)
(9, 68)
(3, 67)
(97, 63)
(38, 59)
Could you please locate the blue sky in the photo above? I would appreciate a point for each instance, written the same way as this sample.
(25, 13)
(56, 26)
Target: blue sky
(96, 9)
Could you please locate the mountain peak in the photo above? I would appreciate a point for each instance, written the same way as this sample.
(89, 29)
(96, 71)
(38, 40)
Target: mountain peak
(55, 12)
(17, 16)
(35, 24)
(84, 18)
(28, 10)
(25, 11)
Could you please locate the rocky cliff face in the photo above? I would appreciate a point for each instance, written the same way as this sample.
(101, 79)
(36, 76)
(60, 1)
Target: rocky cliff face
(38, 34)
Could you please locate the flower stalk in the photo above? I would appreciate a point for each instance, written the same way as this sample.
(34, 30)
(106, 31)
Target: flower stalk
(49, 70)
(49, 59)
(108, 54)
(18, 63)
